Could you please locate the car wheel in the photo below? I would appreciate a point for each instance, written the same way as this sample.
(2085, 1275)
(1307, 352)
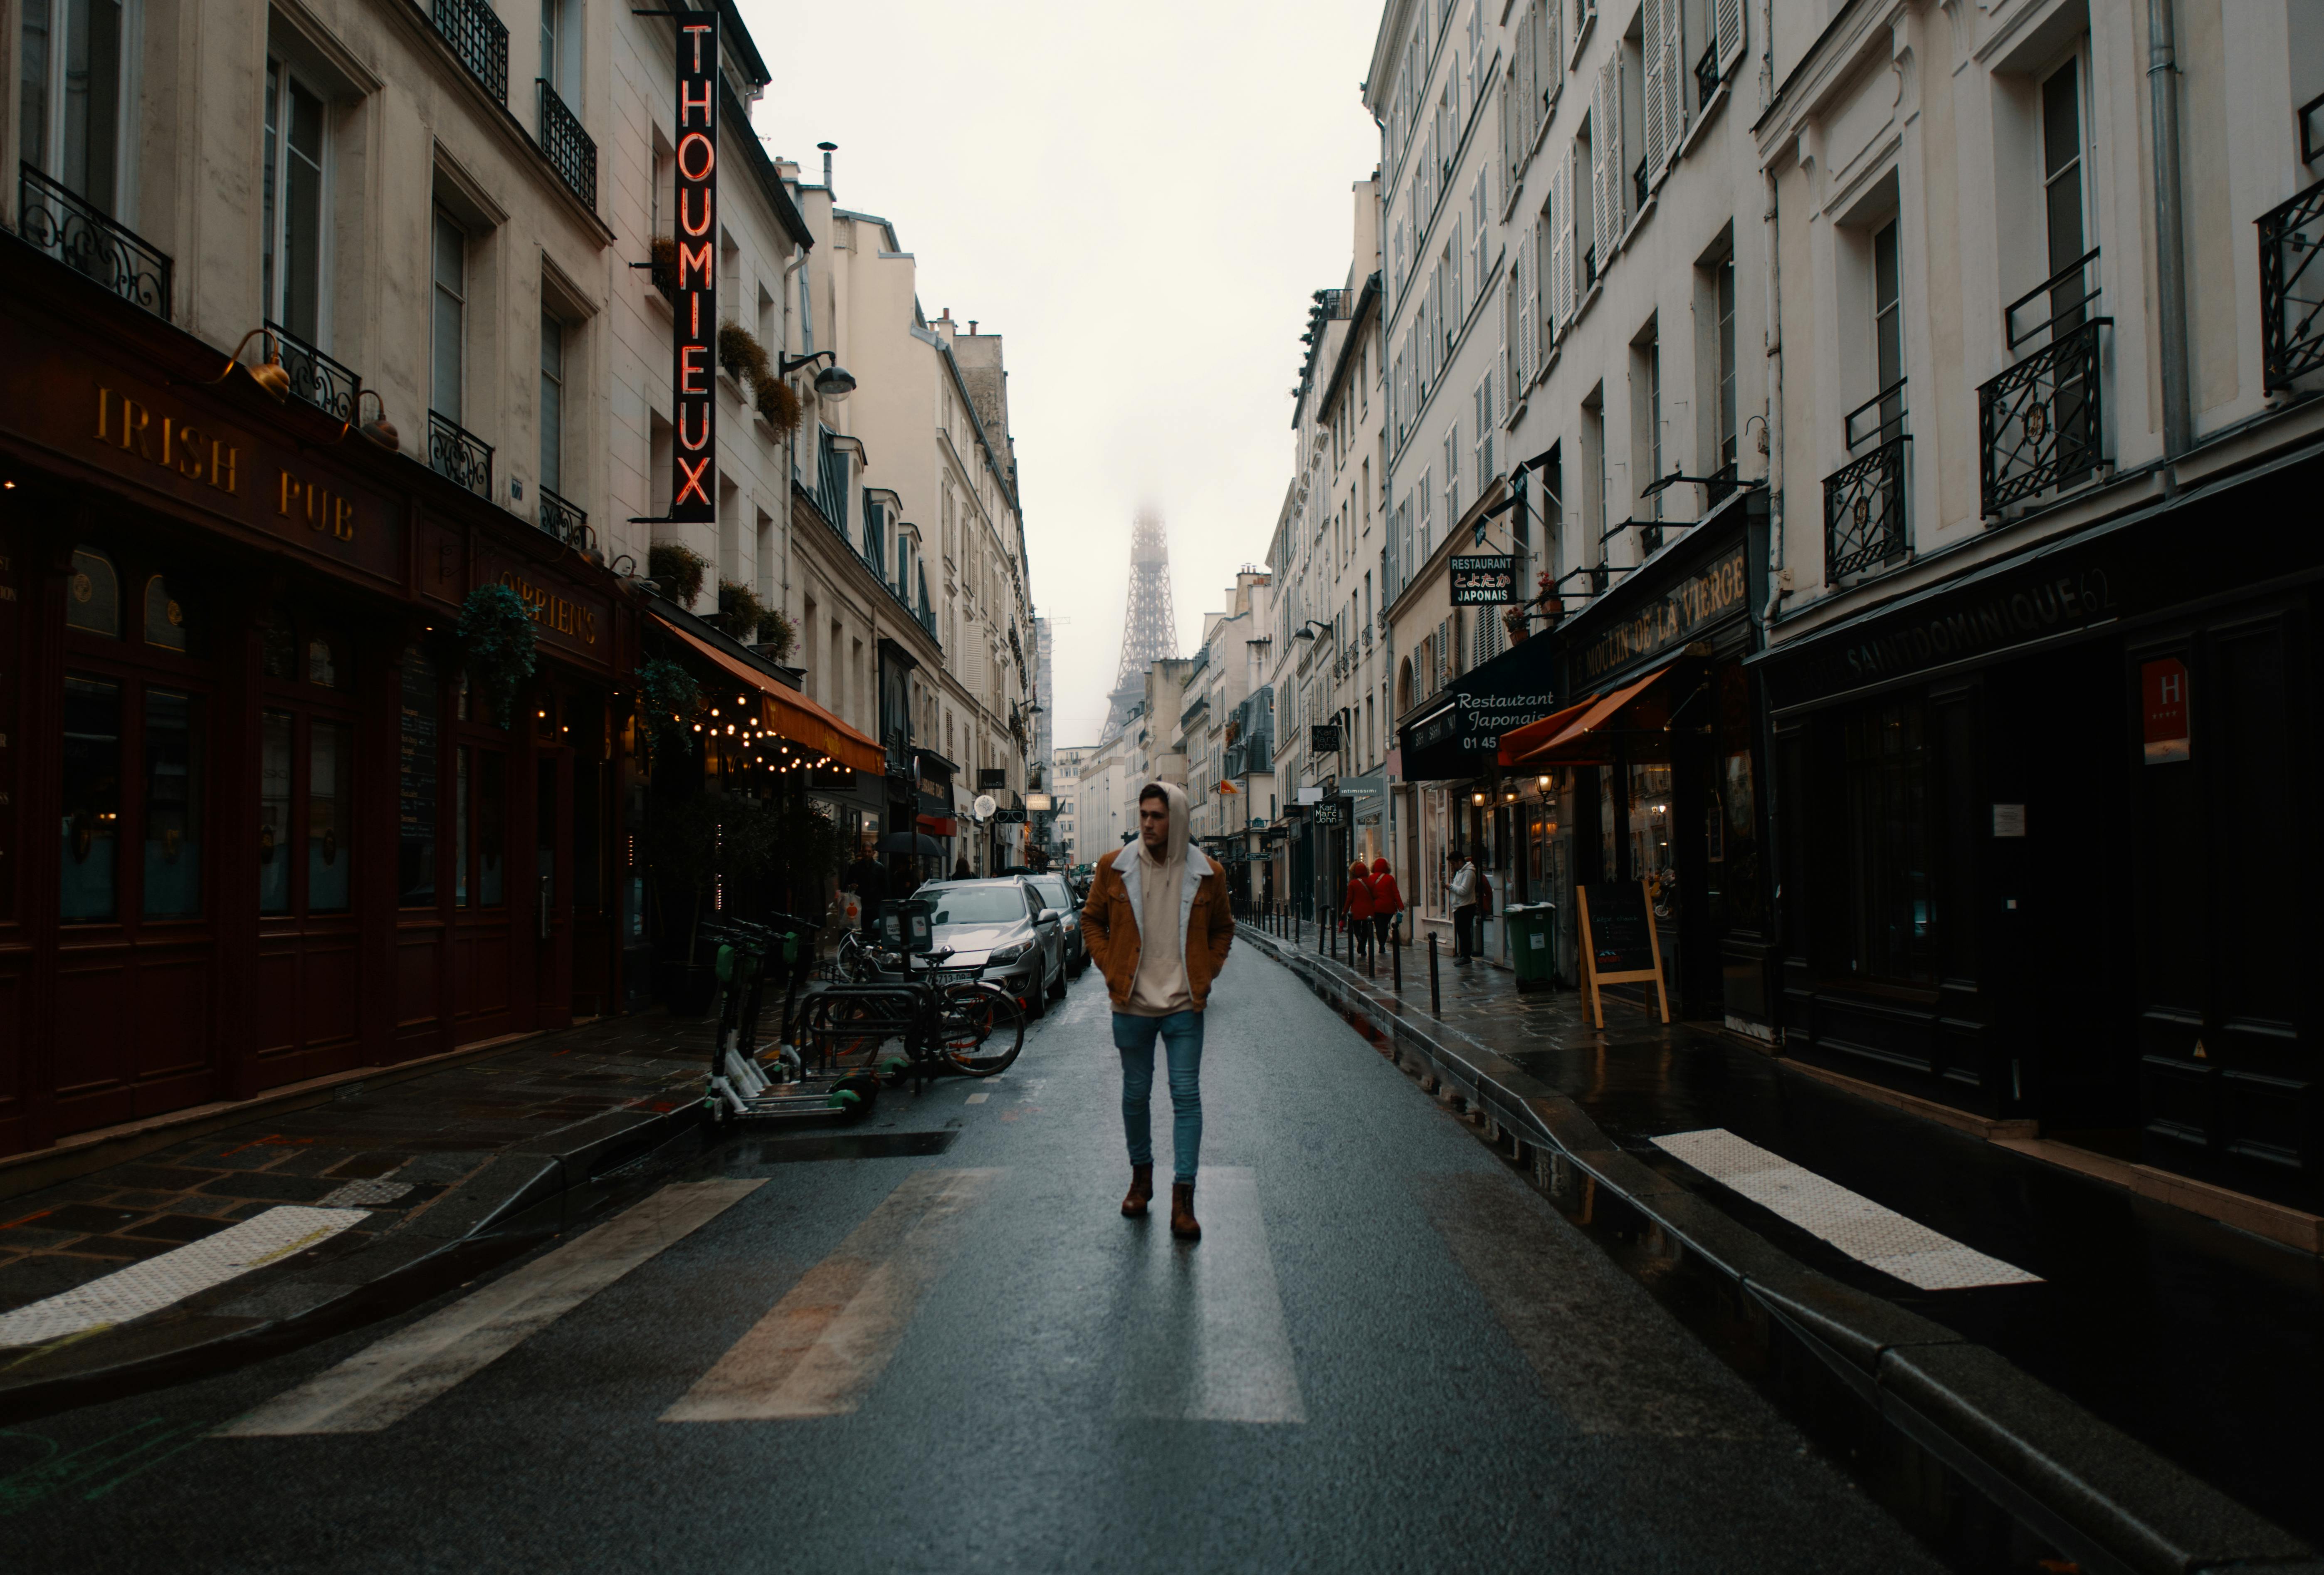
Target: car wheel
(1057, 990)
(1037, 1000)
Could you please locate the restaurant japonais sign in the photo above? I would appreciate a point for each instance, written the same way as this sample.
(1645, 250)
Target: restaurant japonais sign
(1484, 581)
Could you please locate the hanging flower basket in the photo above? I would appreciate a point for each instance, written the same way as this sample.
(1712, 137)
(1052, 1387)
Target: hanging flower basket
(668, 698)
(495, 636)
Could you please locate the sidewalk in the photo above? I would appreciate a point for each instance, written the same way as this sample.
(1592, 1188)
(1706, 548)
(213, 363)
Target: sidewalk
(352, 1204)
(2203, 1342)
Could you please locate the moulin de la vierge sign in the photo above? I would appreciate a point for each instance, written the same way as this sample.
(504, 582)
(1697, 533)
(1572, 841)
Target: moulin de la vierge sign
(693, 408)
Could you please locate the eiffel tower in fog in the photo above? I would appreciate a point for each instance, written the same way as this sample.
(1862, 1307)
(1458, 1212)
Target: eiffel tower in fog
(1150, 630)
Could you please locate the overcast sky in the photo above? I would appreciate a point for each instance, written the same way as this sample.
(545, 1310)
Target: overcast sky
(1142, 208)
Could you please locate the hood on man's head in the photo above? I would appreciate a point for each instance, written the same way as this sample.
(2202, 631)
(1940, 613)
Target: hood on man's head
(1173, 841)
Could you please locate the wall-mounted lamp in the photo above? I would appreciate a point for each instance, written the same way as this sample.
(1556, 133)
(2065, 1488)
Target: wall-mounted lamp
(1478, 798)
(1306, 630)
(269, 374)
(378, 429)
(834, 383)
(1541, 782)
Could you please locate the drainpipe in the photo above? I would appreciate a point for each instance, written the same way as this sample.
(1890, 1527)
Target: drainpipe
(2170, 274)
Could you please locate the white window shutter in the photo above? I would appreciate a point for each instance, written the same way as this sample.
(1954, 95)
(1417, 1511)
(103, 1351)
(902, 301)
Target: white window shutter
(1561, 243)
(1528, 309)
(1726, 21)
(1674, 77)
(1656, 21)
(1605, 159)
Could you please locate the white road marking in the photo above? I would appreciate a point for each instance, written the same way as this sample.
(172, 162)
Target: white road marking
(820, 1349)
(385, 1381)
(1853, 1223)
(175, 1275)
(978, 1098)
(1208, 1343)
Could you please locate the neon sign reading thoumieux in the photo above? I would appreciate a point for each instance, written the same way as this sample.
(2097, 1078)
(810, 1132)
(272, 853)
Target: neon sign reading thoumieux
(692, 404)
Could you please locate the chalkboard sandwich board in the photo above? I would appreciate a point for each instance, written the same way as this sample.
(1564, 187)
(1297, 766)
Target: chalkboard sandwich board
(1619, 943)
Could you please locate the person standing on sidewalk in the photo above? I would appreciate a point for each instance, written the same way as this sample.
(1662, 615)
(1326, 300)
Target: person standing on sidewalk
(1386, 901)
(1356, 908)
(868, 879)
(1464, 895)
(1158, 925)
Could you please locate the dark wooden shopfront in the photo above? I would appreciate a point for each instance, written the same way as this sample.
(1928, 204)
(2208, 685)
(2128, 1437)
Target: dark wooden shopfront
(289, 842)
(2041, 843)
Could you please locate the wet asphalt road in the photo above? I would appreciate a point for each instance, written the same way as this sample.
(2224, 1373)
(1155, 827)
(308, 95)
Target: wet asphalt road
(1387, 1353)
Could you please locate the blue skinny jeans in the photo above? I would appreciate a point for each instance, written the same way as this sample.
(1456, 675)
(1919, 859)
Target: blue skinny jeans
(1181, 1033)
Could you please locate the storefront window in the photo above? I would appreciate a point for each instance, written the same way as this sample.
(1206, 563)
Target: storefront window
(491, 827)
(330, 776)
(460, 821)
(415, 878)
(322, 662)
(173, 806)
(93, 595)
(1652, 858)
(1892, 918)
(274, 813)
(92, 797)
(278, 647)
(165, 619)
(1735, 876)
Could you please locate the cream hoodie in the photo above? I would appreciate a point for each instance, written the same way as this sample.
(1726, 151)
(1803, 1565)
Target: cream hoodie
(1160, 987)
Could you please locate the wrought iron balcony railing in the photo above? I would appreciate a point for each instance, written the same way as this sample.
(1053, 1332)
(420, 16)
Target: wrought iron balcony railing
(1639, 185)
(2292, 289)
(1864, 523)
(70, 230)
(1718, 486)
(2042, 422)
(458, 453)
(328, 386)
(1589, 265)
(1885, 413)
(570, 149)
(567, 523)
(1706, 74)
(479, 39)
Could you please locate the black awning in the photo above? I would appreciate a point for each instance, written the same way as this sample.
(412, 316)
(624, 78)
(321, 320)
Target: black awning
(1457, 733)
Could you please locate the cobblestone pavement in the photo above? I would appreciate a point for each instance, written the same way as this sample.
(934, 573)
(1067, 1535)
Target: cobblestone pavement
(393, 1151)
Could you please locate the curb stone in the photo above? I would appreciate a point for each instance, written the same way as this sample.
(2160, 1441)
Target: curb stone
(2106, 1500)
(512, 1201)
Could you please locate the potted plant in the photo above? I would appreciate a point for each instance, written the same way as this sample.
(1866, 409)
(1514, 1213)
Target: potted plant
(740, 610)
(662, 252)
(777, 633)
(678, 569)
(496, 645)
(668, 700)
(778, 406)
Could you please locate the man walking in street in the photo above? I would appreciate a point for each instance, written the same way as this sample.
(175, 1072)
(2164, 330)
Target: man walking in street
(868, 879)
(1464, 895)
(1158, 925)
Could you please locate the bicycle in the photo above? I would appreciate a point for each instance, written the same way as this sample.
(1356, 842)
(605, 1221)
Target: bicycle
(948, 1026)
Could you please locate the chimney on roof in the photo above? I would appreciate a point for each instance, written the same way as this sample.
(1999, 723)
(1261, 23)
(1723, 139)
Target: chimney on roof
(828, 149)
(972, 328)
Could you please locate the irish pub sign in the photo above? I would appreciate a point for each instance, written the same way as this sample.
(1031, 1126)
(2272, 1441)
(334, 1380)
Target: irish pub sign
(694, 409)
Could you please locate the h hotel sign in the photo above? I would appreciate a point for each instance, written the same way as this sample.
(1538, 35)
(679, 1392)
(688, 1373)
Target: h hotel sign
(692, 404)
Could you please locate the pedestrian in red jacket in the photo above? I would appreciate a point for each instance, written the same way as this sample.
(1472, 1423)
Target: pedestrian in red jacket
(1387, 901)
(1356, 904)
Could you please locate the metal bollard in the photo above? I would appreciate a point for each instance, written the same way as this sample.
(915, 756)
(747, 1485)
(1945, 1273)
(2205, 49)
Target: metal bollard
(1396, 952)
(1435, 1007)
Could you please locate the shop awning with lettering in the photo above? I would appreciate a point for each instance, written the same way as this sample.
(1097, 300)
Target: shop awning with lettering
(938, 825)
(1584, 740)
(789, 714)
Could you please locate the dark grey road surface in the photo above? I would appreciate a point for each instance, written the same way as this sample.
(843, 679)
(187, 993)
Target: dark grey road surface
(1387, 1354)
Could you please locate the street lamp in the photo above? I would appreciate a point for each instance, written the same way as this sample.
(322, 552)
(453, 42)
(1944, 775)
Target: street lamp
(1306, 630)
(832, 385)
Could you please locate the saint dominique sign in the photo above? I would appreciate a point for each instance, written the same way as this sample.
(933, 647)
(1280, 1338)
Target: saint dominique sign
(693, 405)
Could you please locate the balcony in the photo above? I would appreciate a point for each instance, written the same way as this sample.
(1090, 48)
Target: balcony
(1638, 186)
(2042, 422)
(66, 228)
(2292, 289)
(569, 150)
(1588, 266)
(323, 382)
(1706, 74)
(559, 518)
(456, 452)
(1864, 512)
(480, 41)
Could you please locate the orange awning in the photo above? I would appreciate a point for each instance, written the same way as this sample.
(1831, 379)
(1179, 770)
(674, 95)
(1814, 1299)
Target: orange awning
(1517, 741)
(1574, 744)
(791, 715)
(1228, 787)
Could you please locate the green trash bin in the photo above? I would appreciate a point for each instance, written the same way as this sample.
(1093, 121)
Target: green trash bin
(1533, 943)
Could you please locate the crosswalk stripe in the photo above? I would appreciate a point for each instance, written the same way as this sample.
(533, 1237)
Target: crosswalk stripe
(820, 1349)
(387, 1381)
(1208, 1342)
(174, 1275)
(1853, 1223)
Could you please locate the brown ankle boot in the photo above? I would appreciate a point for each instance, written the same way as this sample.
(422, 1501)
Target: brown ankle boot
(1182, 1224)
(1141, 1192)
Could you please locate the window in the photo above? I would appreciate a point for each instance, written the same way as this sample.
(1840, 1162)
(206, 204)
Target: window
(1887, 327)
(560, 52)
(449, 327)
(290, 247)
(1728, 434)
(2061, 192)
(72, 97)
(93, 594)
(1891, 893)
(165, 619)
(91, 760)
(1452, 476)
(552, 404)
